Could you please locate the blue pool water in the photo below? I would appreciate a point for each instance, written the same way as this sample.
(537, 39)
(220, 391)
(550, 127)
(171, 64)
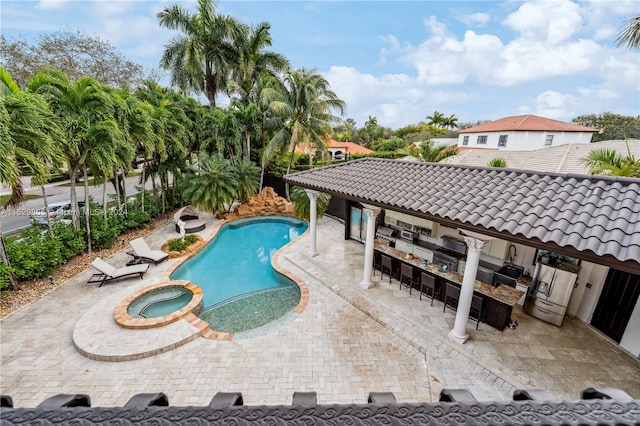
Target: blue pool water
(238, 260)
(160, 302)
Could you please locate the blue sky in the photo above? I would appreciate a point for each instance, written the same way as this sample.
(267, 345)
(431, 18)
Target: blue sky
(400, 61)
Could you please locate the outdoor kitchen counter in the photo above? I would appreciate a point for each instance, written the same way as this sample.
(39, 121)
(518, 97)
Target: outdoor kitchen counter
(504, 294)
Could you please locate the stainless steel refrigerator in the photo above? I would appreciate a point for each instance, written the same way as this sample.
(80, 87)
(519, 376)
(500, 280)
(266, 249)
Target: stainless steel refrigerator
(549, 294)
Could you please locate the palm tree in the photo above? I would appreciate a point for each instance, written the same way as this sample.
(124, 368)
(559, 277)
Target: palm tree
(302, 206)
(450, 122)
(305, 104)
(30, 137)
(29, 142)
(630, 35)
(247, 176)
(200, 58)
(212, 186)
(436, 119)
(432, 153)
(610, 163)
(86, 114)
(497, 162)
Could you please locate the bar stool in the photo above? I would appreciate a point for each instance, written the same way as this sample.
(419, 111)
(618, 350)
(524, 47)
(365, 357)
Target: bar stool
(451, 297)
(428, 283)
(477, 309)
(386, 264)
(377, 263)
(406, 272)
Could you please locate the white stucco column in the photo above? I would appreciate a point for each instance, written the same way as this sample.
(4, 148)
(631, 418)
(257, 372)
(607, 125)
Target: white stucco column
(459, 332)
(371, 212)
(313, 220)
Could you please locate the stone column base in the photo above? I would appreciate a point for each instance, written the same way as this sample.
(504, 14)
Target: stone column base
(456, 338)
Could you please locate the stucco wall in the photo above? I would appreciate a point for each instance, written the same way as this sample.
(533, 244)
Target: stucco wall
(524, 141)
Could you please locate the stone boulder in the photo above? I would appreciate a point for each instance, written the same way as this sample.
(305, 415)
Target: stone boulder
(266, 203)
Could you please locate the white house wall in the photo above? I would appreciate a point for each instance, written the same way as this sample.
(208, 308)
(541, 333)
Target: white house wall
(523, 140)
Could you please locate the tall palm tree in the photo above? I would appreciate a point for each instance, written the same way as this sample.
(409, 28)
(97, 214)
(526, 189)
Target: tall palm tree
(436, 119)
(432, 153)
(611, 163)
(630, 35)
(212, 186)
(199, 59)
(29, 142)
(305, 103)
(450, 122)
(86, 114)
(30, 138)
(253, 62)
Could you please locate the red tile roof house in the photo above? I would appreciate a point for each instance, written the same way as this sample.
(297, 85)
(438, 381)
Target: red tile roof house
(523, 133)
(339, 150)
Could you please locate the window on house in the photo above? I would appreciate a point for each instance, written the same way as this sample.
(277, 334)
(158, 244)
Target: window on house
(465, 140)
(482, 140)
(549, 140)
(503, 140)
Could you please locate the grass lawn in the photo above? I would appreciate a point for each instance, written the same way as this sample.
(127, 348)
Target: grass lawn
(27, 197)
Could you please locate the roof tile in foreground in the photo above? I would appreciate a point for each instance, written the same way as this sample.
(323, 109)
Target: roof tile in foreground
(587, 213)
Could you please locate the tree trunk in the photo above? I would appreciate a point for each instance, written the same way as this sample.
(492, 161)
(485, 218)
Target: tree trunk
(46, 210)
(104, 197)
(154, 188)
(87, 208)
(75, 217)
(5, 260)
(246, 148)
(124, 190)
(144, 182)
(117, 187)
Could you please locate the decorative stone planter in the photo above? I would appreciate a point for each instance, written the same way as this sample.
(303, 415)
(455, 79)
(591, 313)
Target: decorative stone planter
(189, 251)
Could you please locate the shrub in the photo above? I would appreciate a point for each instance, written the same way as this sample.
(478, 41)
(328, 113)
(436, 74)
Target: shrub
(104, 233)
(4, 277)
(34, 254)
(72, 242)
(179, 244)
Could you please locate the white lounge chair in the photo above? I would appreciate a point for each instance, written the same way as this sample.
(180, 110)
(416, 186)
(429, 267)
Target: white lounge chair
(142, 253)
(108, 272)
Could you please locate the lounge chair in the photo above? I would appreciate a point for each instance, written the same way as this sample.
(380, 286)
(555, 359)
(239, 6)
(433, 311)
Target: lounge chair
(188, 215)
(108, 272)
(143, 254)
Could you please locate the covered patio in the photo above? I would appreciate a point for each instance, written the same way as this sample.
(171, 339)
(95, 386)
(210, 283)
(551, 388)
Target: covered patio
(586, 217)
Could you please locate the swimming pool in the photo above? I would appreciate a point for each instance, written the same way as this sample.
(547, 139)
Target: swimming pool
(235, 273)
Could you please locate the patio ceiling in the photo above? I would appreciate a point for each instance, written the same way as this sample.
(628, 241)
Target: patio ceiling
(593, 218)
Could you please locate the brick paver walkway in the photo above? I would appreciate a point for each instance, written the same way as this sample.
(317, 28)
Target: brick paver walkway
(347, 342)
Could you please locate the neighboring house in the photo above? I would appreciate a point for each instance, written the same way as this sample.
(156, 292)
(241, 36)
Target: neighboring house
(524, 133)
(558, 159)
(339, 150)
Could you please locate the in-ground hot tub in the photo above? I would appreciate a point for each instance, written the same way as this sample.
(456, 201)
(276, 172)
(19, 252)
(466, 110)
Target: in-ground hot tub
(159, 305)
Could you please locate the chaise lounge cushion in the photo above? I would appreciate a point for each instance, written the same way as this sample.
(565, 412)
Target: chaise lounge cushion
(144, 252)
(108, 272)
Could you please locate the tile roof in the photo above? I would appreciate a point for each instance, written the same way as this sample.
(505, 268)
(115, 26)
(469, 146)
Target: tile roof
(349, 147)
(586, 213)
(527, 123)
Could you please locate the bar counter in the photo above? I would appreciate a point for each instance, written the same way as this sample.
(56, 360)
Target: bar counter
(498, 301)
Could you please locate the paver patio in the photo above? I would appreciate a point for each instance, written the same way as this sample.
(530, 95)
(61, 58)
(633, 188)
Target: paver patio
(347, 342)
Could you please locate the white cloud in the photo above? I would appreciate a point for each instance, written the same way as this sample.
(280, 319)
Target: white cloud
(552, 104)
(550, 21)
(475, 19)
(51, 4)
(394, 99)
